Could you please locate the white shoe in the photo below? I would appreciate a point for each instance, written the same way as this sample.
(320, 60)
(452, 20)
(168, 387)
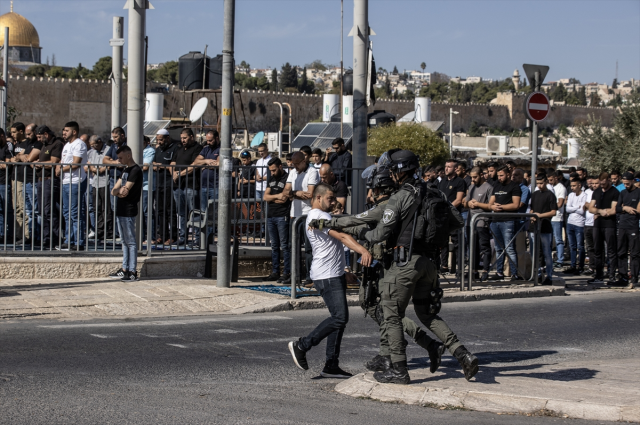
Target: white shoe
(91, 235)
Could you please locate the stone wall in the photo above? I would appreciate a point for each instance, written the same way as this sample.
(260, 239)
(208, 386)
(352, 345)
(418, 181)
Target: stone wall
(56, 101)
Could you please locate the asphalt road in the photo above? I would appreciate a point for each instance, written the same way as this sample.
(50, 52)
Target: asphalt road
(237, 369)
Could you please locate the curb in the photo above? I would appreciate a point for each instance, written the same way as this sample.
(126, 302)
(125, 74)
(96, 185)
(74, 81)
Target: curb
(364, 386)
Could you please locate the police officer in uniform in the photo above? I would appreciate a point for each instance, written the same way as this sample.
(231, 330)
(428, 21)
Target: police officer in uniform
(383, 187)
(411, 275)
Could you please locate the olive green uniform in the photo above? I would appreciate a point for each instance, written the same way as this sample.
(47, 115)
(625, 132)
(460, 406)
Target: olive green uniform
(415, 280)
(353, 225)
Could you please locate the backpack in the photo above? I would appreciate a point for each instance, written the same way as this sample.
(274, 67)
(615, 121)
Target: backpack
(436, 219)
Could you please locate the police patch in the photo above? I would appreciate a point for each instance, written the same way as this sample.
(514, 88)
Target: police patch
(387, 216)
(362, 215)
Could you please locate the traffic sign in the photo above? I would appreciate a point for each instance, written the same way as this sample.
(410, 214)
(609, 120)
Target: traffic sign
(530, 71)
(537, 106)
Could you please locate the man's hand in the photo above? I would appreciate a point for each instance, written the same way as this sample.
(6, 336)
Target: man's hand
(496, 207)
(328, 152)
(472, 203)
(629, 210)
(366, 259)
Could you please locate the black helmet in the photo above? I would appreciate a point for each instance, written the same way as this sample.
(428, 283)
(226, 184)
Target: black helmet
(404, 160)
(382, 180)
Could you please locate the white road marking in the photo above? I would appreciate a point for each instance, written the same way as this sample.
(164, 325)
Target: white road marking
(102, 336)
(178, 345)
(166, 322)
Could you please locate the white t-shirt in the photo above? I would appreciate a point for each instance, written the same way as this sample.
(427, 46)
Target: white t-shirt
(79, 149)
(588, 217)
(262, 168)
(302, 182)
(561, 193)
(328, 253)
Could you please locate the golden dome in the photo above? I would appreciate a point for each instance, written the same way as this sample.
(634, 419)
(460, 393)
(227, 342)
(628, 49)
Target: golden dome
(21, 32)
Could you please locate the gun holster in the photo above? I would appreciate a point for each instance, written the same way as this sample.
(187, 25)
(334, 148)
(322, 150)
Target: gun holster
(401, 256)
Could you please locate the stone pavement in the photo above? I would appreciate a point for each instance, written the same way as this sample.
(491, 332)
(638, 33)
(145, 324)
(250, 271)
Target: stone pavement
(600, 390)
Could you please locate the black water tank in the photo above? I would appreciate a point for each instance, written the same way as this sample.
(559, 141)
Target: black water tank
(191, 71)
(379, 118)
(347, 83)
(214, 77)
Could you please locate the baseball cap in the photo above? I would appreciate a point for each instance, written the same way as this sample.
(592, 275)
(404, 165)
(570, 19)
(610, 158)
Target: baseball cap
(43, 129)
(627, 176)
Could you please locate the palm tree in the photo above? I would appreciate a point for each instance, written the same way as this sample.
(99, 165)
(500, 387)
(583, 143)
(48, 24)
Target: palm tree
(423, 66)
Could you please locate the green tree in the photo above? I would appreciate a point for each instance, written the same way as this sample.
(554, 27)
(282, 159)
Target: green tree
(474, 130)
(168, 73)
(594, 100)
(582, 97)
(102, 69)
(317, 64)
(263, 83)
(559, 93)
(56, 72)
(395, 70)
(78, 73)
(431, 149)
(36, 71)
(423, 66)
(288, 77)
(303, 83)
(245, 65)
(614, 85)
(274, 80)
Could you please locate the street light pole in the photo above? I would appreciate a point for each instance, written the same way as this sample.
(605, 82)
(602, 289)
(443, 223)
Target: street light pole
(116, 69)
(280, 130)
(290, 122)
(451, 113)
(5, 77)
(224, 265)
(360, 33)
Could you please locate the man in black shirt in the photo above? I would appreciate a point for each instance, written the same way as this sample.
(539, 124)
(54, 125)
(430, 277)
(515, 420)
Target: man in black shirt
(6, 205)
(22, 210)
(628, 235)
(603, 207)
(454, 188)
(340, 189)
(247, 177)
(492, 169)
(48, 186)
(340, 160)
(128, 189)
(185, 189)
(278, 212)
(167, 224)
(545, 205)
(506, 198)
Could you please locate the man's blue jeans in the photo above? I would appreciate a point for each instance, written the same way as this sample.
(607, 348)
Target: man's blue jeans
(557, 235)
(92, 212)
(31, 207)
(6, 215)
(127, 227)
(114, 200)
(73, 211)
(576, 245)
(185, 200)
(279, 233)
(334, 294)
(503, 235)
(545, 246)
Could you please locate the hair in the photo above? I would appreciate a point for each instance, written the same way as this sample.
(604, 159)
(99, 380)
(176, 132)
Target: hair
(118, 131)
(614, 172)
(550, 170)
(95, 138)
(476, 170)
(376, 160)
(264, 146)
(146, 139)
(605, 176)
(573, 176)
(321, 189)
(575, 180)
(636, 175)
(511, 162)
(584, 170)
(288, 156)
(631, 170)
(18, 126)
(1, 132)
(463, 165)
(187, 131)
(559, 174)
(439, 168)
(123, 148)
(338, 141)
(214, 132)
(541, 176)
(316, 151)
(73, 126)
(450, 160)
(572, 170)
(274, 161)
(592, 177)
(492, 165)
(306, 150)
(502, 168)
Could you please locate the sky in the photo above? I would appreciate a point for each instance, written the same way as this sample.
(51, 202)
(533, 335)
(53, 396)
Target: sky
(575, 38)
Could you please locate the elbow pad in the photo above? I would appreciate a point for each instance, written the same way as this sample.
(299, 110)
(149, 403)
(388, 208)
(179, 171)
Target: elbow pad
(362, 234)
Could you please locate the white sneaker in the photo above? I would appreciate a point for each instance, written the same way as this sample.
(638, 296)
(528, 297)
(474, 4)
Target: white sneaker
(91, 235)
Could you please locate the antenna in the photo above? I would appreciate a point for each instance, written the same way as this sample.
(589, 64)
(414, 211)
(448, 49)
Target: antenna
(616, 69)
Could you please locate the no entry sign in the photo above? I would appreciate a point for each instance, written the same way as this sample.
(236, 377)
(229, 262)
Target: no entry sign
(537, 106)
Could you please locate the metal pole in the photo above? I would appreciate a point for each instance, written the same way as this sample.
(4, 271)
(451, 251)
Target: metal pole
(450, 132)
(341, 67)
(360, 33)
(280, 131)
(534, 139)
(116, 69)
(224, 225)
(290, 122)
(5, 77)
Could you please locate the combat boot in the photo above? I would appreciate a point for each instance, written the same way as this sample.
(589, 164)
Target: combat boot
(435, 350)
(468, 361)
(378, 363)
(396, 374)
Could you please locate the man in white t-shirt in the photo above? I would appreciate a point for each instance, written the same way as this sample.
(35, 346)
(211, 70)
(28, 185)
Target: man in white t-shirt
(575, 227)
(328, 277)
(262, 170)
(557, 221)
(74, 186)
(302, 179)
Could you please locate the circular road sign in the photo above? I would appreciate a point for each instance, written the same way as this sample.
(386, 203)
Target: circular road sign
(537, 106)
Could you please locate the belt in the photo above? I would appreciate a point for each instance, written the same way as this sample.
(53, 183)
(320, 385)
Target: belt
(44, 178)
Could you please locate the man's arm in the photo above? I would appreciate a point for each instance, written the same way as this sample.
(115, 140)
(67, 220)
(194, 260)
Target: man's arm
(391, 218)
(108, 160)
(116, 188)
(76, 160)
(351, 243)
(513, 206)
(304, 195)
(458, 201)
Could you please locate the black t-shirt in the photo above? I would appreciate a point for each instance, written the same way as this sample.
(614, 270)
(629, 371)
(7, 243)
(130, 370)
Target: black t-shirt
(452, 187)
(5, 175)
(276, 187)
(165, 155)
(50, 149)
(247, 190)
(340, 189)
(544, 202)
(25, 147)
(504, 193)
(628, 199)
(128, 206)
(185, 155)
(493, 181)
(603, 202)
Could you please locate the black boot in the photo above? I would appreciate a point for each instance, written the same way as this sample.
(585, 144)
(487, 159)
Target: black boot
(468, 361)
(435, 350)
(396, 374)
(378, 363)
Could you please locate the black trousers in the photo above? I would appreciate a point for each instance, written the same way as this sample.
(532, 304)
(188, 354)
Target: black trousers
(308, 251)
(49, 211)
(166, 209)
(629, 242)
(444, 255)
(600, 237)
(483, 248)
(104, 213)
(589, 246)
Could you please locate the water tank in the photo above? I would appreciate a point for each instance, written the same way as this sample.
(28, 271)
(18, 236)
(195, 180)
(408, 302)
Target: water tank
(379, 118)
(214, 77)
(573, 148)
(330, 105)
(347, 83)
(154, 107)
(191, 71)
(423, 109)
(347, 109)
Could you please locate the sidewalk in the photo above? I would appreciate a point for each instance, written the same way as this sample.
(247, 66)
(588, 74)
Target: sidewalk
(102, 297)
(599, 390)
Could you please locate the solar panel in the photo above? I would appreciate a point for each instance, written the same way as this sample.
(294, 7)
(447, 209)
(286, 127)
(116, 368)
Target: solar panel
(321, 135)
(301, 141)
(150, 128)
(313, 129)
